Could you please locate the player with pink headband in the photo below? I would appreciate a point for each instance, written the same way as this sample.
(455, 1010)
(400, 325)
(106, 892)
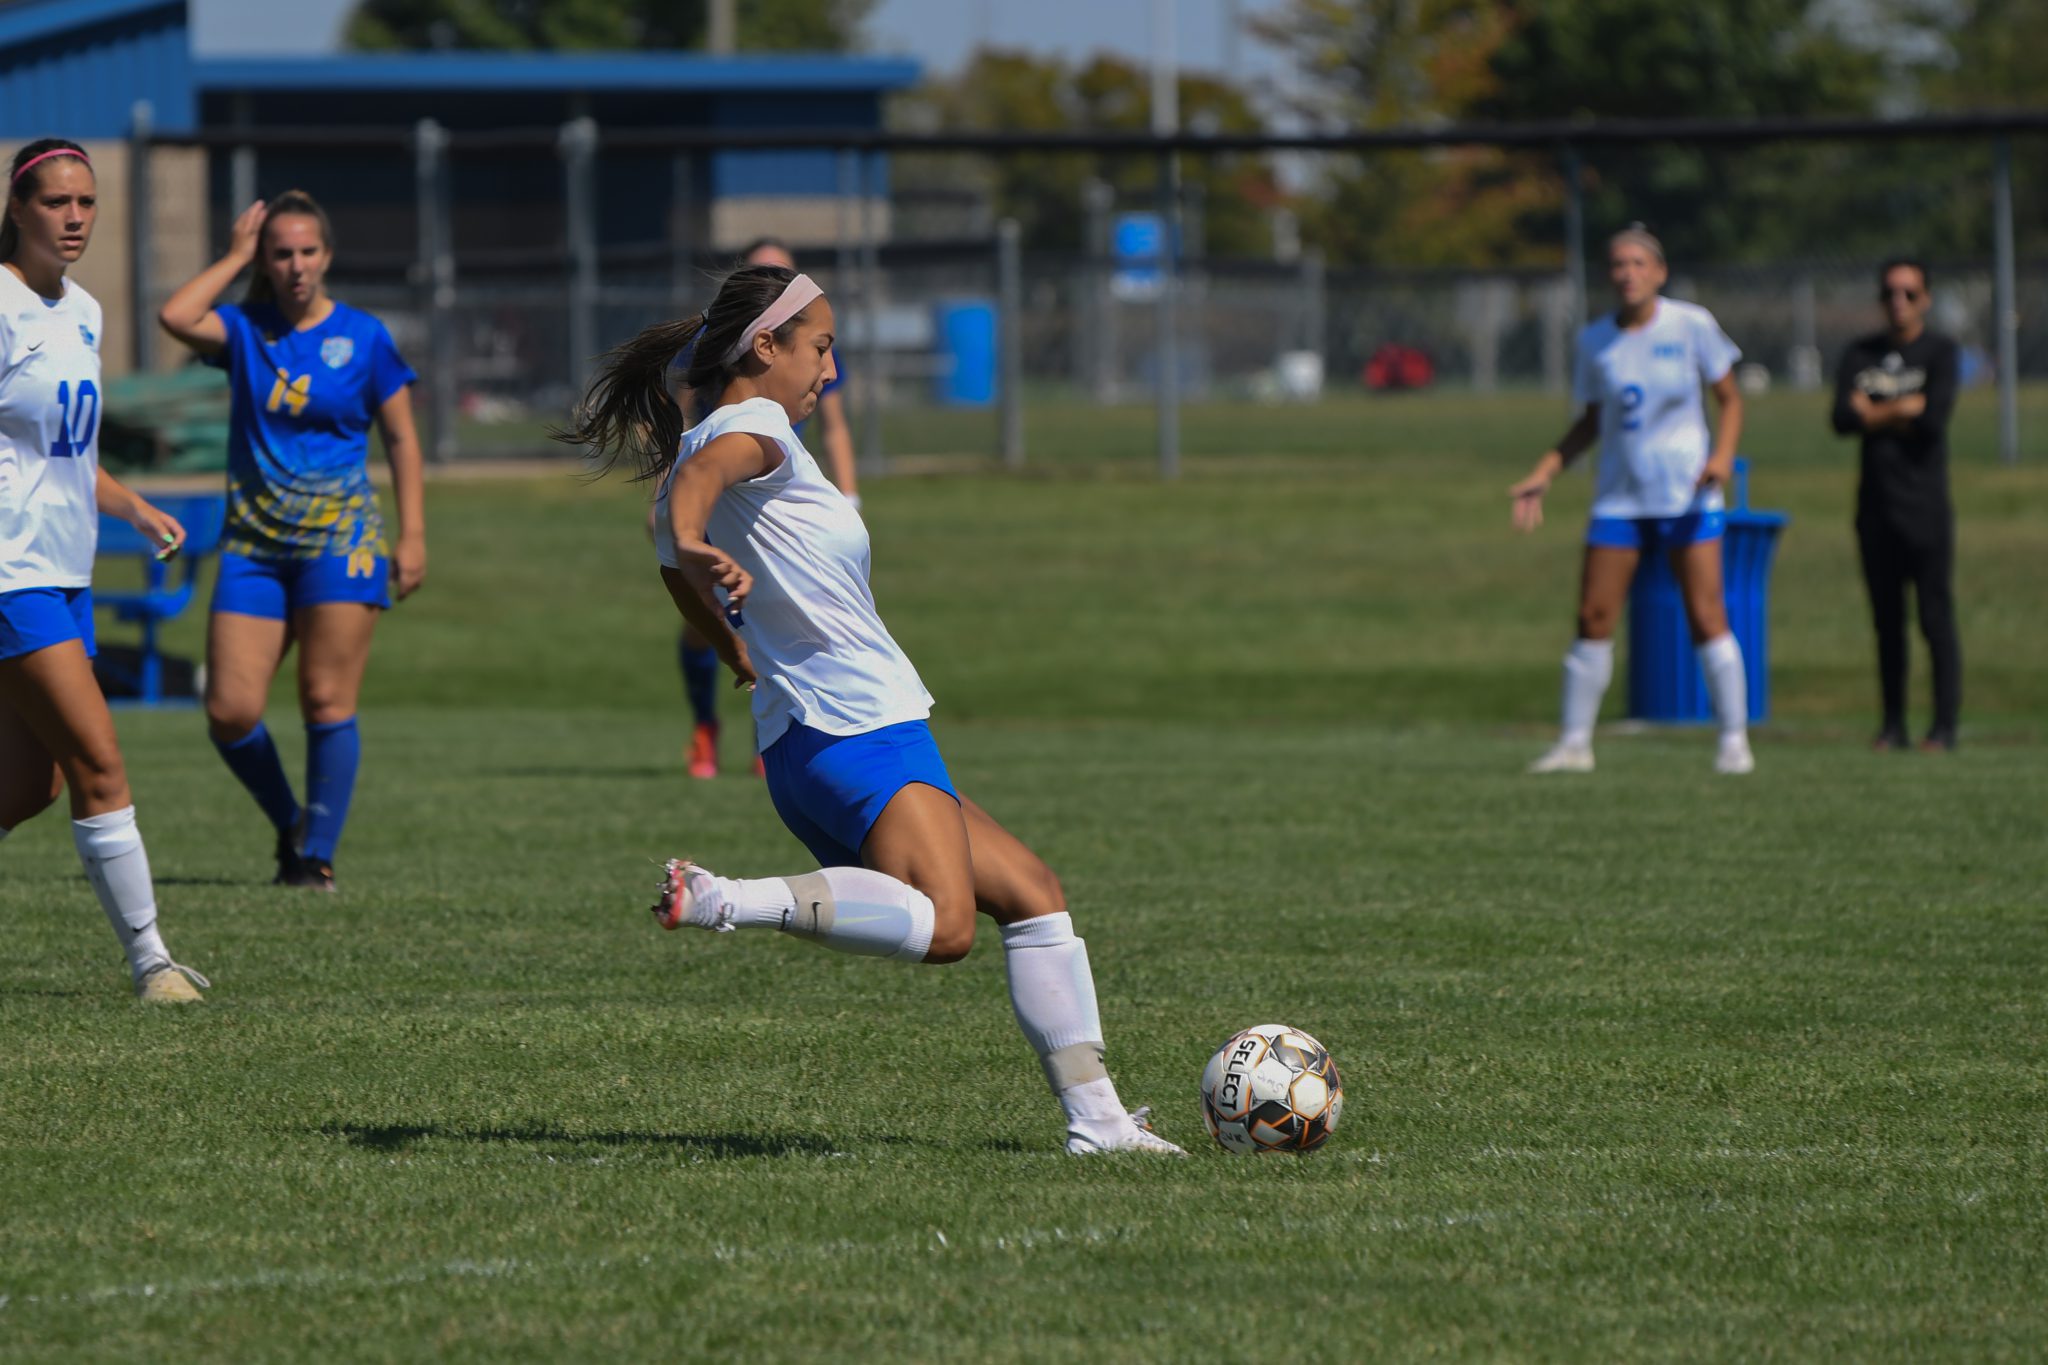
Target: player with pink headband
(55, 729)
(769, 561)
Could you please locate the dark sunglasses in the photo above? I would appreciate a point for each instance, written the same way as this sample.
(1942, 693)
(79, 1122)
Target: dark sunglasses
(1888, 293)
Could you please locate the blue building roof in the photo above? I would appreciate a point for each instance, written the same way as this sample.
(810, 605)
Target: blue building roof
(560, 72)
(79, 66)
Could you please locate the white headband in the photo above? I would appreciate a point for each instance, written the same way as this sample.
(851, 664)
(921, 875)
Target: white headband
(796, 296)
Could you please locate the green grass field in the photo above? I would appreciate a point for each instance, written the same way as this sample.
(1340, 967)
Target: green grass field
(1645, 1065)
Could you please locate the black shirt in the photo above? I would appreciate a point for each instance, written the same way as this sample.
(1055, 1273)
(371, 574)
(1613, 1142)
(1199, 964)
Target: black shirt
(1905, 469)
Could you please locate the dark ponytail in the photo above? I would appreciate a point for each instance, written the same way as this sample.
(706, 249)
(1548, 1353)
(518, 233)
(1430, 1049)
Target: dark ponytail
(292, 203)
(629, 411)
(21, 186)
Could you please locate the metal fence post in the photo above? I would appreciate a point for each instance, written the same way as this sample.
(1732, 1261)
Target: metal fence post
(1169, 322)
(241, 165)
(2005, 305)
(437, 281)
(872, 462)
(1100, 307)
(141, 240)
(842, 225)
(578, 144)
(1574, 242)
(682, 170)
(1010, 347)
(1314, 303)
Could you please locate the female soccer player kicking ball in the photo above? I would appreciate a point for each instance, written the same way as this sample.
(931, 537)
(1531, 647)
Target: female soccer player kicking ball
(1639, 375)
(305, 554)
(54, 725)
(769, 561)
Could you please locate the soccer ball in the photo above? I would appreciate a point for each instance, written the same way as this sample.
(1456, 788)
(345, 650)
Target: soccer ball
(1271, 1089)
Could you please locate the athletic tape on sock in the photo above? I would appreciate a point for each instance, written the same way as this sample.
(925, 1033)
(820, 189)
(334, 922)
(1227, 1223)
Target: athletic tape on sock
(815, 906)
(1074, 1064)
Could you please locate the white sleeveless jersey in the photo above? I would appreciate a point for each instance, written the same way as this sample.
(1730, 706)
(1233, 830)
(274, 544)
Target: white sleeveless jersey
(1653, 421)
(49, 436)
(821, 652)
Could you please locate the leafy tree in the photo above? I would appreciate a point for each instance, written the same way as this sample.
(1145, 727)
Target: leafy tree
(613, 25)
(1016, 91)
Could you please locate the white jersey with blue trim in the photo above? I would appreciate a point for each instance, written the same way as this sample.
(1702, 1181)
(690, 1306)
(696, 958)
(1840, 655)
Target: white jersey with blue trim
(49, 436)
(818, 646)
(1653, 420)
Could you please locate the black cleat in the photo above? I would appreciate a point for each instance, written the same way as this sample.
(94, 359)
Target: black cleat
(309, 874)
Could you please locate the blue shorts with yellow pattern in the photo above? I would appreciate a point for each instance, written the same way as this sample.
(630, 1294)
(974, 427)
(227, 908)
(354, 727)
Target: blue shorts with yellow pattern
(275, 588)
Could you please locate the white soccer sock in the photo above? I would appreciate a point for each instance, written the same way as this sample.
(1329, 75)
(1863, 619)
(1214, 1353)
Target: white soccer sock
(847, 909)
(1588, 668)
(110, 846)
(1721, 661)
(1052, 992)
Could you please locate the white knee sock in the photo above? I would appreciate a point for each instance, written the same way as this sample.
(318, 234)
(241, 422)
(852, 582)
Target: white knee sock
(847, 909)
(110, 846)
(1721, 661)
(1052, 991)
(1588, 668)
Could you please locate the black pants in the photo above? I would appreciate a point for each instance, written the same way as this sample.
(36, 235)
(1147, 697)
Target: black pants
(1925, 557)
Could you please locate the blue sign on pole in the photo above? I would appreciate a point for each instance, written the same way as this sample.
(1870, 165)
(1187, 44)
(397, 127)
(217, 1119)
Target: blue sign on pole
(1137, 242)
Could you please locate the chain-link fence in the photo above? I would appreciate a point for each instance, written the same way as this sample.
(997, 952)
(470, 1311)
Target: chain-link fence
(504, 262)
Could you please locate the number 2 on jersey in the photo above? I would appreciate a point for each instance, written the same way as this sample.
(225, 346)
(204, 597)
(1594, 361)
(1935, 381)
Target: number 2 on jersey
(289, 392)
(1631, 407)
(78, 418)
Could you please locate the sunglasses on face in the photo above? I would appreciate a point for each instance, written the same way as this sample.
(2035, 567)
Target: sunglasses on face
(1889, 293)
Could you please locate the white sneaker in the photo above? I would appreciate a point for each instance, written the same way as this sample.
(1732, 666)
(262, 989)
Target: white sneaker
(170, 983)
(1565, 758)
(690, 895)
(1137, 1136)
(1734, 756)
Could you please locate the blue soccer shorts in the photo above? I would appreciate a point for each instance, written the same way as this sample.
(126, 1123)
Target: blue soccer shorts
(830, 789)
(1656, 533)
(36, 618)
(274, 588)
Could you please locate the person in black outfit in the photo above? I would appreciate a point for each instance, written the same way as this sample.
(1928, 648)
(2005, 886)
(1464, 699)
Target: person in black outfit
(1896, 389)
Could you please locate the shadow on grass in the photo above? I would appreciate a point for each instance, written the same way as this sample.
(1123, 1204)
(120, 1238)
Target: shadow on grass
(595, 771)
(398, 1137)
(212, 881)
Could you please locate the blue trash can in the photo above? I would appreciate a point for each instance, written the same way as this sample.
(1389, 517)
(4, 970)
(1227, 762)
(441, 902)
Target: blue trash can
(965, 330)
(1664, 681)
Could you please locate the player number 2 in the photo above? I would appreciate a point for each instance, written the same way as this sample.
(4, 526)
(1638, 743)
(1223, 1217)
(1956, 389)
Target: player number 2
(78, 418)
(289, 392)
(1631, 407)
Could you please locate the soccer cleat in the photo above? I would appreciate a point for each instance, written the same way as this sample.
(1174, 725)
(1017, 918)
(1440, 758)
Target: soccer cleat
(308, 874)
(1137, 1137)
(690, 895)
(703, 754)
(1734, 757)
(1937, 742)
(287, 850)
(170, 983)
(1565, 758)
(1890, 741)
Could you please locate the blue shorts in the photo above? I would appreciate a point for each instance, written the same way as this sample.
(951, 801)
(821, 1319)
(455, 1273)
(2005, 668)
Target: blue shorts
(830, 789)
(36, 618)
(1655, 533)
(274, 588)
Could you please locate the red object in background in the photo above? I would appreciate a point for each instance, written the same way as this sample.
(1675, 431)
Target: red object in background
(1394, 366)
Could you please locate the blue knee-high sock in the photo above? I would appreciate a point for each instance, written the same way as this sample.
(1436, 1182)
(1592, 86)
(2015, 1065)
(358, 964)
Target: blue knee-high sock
(332, 753)
(253, 759)
(700, 683)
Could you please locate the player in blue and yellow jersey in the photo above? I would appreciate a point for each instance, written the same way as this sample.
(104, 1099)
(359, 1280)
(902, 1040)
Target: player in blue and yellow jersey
(305, 556)
(55, 729)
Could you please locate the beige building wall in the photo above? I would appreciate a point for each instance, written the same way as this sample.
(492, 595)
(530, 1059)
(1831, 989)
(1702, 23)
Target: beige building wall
(178, 239)
(802, 219)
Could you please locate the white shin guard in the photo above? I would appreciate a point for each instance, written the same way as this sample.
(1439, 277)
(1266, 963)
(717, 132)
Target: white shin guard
(855, 910)
(110, 847)
(1588, 668)
(1052, 991)
(1721, 662)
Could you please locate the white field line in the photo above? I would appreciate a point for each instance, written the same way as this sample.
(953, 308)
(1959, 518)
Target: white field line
(934, 1242)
